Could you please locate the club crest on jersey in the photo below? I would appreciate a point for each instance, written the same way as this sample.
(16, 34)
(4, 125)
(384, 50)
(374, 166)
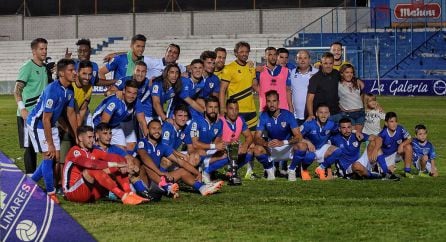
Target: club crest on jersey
(111, 106)
(194, 126)
(49, 103)
(182, 135)
(211, 84)
(283, 124)
(399, 141)
(215, 131)
(327, 132)
(94, 73)
(158, 152)
(76, 153)
(140, 145)
(355, 144)
(155, 89)
(118, 82)
(166, 135)
(69, 96)
(268, 124)
(172, 94)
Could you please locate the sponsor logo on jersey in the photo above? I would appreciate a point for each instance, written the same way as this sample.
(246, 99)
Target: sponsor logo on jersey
(49, 103)
(111, 106)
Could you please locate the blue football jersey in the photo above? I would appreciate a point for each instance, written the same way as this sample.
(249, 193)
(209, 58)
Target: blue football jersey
(316, 134)
(171, 136)
(191, 90)
(391, 142)
(119, 66)
(112, 149)
(211, 85)
(351, 148)
(155, 152)
(205, 131)
(277, 128)
(53, 99)
(421, 149)
(116, 108)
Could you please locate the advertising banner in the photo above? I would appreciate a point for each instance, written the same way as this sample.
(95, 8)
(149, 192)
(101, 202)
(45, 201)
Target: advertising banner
(404, 87)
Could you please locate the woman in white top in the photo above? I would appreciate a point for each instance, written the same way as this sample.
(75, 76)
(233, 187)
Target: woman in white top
(350, 96)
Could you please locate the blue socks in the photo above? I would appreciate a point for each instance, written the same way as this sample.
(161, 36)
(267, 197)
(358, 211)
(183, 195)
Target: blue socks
(263, 159)
(309, 158)
(407, 169)
(216, 165)
(46, 170)
(331, 159)
(243, 159)
(197, 185)
(298, 157)
(382, 163)
(139, 186)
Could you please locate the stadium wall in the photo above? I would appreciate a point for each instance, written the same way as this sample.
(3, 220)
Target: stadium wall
(158, 25)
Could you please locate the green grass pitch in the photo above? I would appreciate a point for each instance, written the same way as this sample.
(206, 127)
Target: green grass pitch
(340, 210)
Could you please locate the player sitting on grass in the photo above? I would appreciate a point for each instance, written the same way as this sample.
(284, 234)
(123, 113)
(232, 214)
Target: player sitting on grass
(395, 146)
(103, 136)
(423, 153)
(282, 135)
(351, 161)
(174, 135)
(318, 131)
(85, 175)
(151, 150)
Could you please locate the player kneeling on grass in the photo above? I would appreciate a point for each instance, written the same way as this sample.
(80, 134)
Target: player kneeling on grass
(423, 153)
(282, 133)
(351, 162)
(318, 131)
(85, 176)
(396, 145)
(151, 150)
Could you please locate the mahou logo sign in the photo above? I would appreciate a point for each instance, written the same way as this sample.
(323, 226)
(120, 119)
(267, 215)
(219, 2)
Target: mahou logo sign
(417, 9)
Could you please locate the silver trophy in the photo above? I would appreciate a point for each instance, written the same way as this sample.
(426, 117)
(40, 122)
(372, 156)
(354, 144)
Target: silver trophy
(232, 150)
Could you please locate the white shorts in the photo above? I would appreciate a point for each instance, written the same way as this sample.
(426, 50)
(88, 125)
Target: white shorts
(320, 153)
(88, 119)
(26, 138)
(38, 139)
(417, 164)
(124, 134)
(392, 159)
(363, 160)
(283, 152)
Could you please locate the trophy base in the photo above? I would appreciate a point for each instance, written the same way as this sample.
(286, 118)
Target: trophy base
(235, 181)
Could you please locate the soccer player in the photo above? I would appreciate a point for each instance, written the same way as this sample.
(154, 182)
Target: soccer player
(41, 122)
(351, 161)
(323, 88)
(82, 89)
(124, 64)
(155, 67)
(86, 175)
(282, 58)
(31, 81)
(151, 150)
(174, 135)
(220, 61)
(274, 77)
(212, 82)
(192, 87)
(204, 136)
(300, 78)
(282, 135)
(318, 132)
(423, 152)
(233, 127)
(164, 90)
(116, 111)
(103, 136)
(396, 144)
(237, 81)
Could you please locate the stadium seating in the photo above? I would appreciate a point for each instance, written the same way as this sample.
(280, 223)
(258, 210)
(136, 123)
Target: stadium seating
(14, 53)
(418, 54)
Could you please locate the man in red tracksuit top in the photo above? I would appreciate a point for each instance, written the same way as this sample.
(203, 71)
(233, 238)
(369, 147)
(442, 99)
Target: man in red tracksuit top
(86, 174)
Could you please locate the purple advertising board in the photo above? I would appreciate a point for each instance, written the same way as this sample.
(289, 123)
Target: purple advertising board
(28, 214)
(406, 87)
